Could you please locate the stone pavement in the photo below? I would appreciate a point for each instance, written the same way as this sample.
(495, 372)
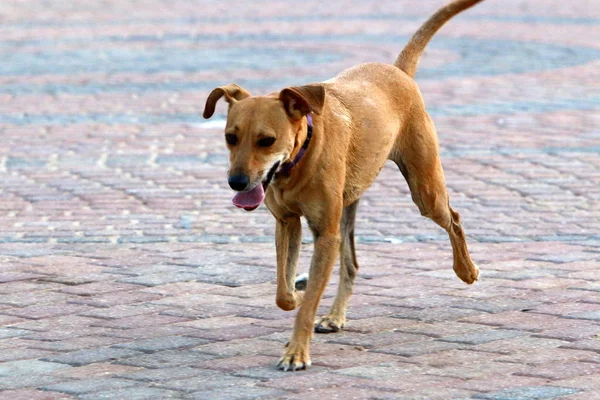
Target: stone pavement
(127, 273)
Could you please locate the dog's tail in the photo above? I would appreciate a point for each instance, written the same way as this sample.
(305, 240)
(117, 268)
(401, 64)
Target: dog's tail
(409, 57)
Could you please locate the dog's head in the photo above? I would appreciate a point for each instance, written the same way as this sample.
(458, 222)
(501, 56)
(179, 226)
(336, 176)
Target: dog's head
(261, 132)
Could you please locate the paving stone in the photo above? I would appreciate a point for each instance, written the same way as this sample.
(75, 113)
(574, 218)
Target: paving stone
(528, 392)
(238, 393)
(122, 311)
(204, 383)
(92, 289)
(382, 371)
(90, 356)
(162, 343)
(76, 343)
(438, 314)
(27, 367)
(146, 333)
(27, 381)
(582, 330)
(442, 329)
(591, 315)
(562, 370)
(116, 298)
(89, 385)
(418, 348)
(377, 340)
(482, 336)
(31, 394)
(45, 311)
(232, 333)
(9, 333)
(497, 382)
(97, 370)
(166, 374)
(139, 321)
(133, 393)
(239, 347)
(587, 344)
(22, 353)
(165, 359)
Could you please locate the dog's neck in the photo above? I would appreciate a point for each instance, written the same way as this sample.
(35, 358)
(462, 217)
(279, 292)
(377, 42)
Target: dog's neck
(286, 167)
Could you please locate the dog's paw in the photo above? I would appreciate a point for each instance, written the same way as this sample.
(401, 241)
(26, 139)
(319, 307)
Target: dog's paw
(295, 358)
(468, 273)
(329, 324)
(301, 282)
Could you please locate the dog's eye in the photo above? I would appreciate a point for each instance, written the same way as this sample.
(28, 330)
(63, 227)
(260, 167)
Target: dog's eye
(231, 139)
(266, 142)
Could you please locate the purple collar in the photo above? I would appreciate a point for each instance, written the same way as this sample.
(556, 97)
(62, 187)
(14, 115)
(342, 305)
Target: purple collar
(286, 167)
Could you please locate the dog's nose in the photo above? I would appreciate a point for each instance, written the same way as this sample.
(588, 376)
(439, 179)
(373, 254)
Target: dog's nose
(239, 182)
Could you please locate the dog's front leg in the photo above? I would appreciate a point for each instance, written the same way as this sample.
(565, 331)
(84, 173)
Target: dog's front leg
(288, 236)
(297, 355)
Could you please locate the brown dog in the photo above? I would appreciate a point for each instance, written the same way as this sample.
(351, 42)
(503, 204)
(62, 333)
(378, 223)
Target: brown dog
(313, 150)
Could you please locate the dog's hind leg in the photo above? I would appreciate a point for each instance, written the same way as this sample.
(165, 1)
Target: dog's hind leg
(416, 154)
(348, 269)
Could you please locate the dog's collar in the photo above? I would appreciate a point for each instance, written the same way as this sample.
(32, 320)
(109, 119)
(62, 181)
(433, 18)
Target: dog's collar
(286, 167)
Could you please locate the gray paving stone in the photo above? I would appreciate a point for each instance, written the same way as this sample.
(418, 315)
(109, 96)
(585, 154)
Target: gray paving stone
(527, 393)
(27, 367)
(166, 359)
(591, 315)
(238, 393)
(167, 374)
(163, 343)
(133, 393)
(90, 356)
(89, 385)
(6, 333)
(26, 381)
(379, 371)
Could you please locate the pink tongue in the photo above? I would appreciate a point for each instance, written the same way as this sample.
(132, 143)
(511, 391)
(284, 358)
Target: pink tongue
(249, 199)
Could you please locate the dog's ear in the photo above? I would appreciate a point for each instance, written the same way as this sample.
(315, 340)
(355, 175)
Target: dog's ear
(301, 100)
(232, 93)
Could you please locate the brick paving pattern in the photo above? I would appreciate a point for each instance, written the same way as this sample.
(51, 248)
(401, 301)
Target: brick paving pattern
(126, 272)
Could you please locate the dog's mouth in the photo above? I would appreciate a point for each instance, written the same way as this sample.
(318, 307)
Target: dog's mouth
(251, 199)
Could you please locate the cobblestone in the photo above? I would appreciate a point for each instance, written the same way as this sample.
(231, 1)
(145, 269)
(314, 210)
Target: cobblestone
(127, 273)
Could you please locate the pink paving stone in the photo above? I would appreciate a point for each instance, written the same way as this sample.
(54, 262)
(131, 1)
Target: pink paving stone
(96, 288)
(496, 382)
(518, 320)
(117, 298)
(232, 364)
(592, 344)
(572, 332)
(310, 382)
(97, 370)
(236, 332)
(336, 357)
(45, 311)
(18, 276)
(139, 321)
(520, 344)
(6, 320)
(341, 392)
(31, 394)
(565, 370)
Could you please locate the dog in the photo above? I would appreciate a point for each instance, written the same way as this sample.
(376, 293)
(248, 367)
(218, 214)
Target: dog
(313, 150)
